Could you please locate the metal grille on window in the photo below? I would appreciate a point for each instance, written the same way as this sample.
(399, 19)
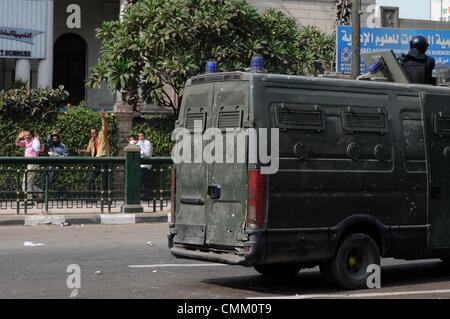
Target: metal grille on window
(305, 117)
(195, 121)
(231, 119)
(364, 121)
(441, 123)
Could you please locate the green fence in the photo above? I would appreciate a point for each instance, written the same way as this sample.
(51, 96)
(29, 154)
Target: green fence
(127, 184)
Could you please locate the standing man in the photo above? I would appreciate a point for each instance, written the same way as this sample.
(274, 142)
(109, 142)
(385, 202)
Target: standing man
(98, 147)
(56, 149)
(32, 147)
(146, 152)
(145, 145)
(419, 66)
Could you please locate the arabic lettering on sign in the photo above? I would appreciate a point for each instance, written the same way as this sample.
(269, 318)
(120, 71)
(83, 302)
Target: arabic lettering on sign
(382, 39)
(18, 34)
(15, 34)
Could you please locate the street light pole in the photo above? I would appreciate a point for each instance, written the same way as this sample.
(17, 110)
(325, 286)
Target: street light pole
(356, 43)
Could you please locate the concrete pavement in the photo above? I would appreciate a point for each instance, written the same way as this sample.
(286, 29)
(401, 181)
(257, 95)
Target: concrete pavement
(78, 216)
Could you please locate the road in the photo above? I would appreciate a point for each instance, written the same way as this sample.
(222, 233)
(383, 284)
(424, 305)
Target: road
(133, 261)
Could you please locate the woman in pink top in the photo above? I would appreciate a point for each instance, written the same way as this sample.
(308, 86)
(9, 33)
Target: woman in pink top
(32, 148)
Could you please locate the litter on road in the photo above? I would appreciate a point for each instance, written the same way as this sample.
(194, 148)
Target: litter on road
(32, 244)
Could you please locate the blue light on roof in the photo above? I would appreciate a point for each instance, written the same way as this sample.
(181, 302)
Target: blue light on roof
(376, 66)
(257, 64)
(211, 66)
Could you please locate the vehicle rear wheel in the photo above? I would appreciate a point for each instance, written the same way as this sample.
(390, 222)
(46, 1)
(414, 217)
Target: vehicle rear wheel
(278, 271)
(348, 267)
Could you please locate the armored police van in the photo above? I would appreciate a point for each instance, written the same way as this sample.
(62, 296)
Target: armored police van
(364, 173)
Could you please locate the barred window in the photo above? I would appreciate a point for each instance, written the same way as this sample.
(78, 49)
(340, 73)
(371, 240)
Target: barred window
(300, 117)
(364, 119)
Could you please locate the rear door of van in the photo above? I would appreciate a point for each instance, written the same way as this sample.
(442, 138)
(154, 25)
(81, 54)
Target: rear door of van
(211, 195)
(226, 209)
(191, 177)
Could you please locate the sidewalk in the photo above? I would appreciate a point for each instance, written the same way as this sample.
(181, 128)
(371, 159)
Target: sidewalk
(81, 216)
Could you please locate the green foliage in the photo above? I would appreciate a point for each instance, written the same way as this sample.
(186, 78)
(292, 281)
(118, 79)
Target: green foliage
(10, 128)
(22, 103)
(157, 130)
(319, 47)
(75, 125)
(23, 109)
(159, 44)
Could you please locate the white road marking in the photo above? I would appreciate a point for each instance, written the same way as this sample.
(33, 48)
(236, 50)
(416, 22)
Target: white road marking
(175, 265)
(360, 295)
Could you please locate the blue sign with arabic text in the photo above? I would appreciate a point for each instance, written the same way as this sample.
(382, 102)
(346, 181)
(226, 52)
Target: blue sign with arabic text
(385, 39)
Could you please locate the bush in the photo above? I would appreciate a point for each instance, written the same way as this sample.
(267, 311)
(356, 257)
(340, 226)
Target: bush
(22, 103)
(23, 109)
(158, 130)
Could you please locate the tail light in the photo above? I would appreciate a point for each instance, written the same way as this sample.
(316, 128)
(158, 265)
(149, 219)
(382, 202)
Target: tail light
(173, 189)
(256, 199)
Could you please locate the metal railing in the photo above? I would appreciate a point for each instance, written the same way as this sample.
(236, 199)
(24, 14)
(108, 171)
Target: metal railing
(70, 183)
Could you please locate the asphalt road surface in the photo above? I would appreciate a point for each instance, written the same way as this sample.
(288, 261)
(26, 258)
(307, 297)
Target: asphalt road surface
(133, 261)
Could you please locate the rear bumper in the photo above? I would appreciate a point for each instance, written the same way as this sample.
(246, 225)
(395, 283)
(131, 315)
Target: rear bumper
(224, 258)
(264, 247)
(250, 254)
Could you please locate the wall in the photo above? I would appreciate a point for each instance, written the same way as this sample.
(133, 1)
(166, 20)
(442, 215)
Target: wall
(309, 12)
(423, 24)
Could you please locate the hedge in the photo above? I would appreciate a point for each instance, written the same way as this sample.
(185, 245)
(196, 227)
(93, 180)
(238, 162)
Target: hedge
(75, 125)
(158, 130)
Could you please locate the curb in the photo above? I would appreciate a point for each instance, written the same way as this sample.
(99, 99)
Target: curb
(84, 219)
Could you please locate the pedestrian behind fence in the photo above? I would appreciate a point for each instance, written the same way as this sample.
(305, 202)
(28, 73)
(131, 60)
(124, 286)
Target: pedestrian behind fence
(33, 148)
(98, 147)
(132, 140)
(55, 149)
(146, 152)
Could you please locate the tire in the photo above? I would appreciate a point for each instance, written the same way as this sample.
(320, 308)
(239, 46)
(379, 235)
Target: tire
(278, 271)
(348, 267)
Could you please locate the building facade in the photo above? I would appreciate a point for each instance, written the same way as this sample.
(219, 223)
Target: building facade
(71, 47)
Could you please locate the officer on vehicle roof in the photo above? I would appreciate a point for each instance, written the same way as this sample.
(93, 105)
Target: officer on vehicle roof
(419, 66)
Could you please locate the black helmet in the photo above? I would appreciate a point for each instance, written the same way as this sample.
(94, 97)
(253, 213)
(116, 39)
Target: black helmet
(420, 43)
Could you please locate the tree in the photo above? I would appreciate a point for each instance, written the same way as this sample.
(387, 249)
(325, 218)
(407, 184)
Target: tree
(343, 11)
(319, 55)
(159, 44)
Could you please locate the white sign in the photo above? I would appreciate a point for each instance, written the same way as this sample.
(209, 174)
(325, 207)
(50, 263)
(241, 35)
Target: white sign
(23, 29)
(440, 10)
